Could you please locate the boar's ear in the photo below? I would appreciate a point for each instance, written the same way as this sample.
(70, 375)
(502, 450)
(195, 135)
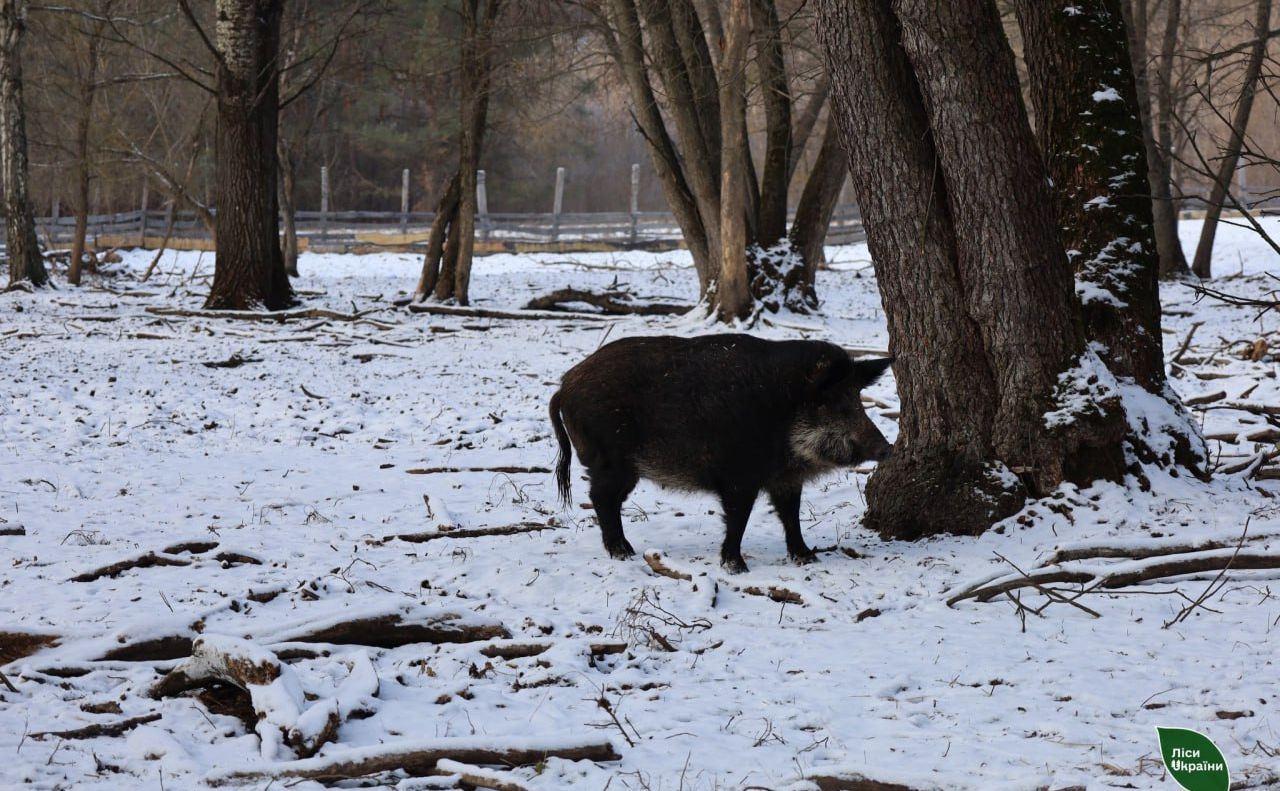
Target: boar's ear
(830, 372)
(866, 372)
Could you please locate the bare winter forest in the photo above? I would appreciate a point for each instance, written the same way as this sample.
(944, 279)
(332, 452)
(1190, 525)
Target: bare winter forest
(876, 395)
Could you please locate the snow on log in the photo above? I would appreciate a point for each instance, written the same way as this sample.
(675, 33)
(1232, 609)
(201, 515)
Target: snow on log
(418, 758)
(389, 627)
(274, 690)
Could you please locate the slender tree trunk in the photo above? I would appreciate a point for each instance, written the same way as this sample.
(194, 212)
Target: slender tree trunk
(25, 260)
(1176, 264)
(977, 292)
(1173, 263)
(776, 98)
(817, 203)
(733, 298)
(88, 91)
(288, 207)
(446, 268)
(1202, 265)
(249, 273)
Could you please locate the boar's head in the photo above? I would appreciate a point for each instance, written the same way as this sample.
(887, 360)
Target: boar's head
(831, 428)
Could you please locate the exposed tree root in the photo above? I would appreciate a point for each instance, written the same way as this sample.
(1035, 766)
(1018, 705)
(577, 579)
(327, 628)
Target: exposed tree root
(100, 730)
(421, 760)
(612, 303)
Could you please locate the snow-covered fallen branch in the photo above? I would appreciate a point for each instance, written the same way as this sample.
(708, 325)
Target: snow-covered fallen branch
(419, 758)
(275, 692)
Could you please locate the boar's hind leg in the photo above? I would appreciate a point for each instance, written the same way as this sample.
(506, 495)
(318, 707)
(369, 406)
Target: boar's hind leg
(609, 488)
(786, 501)
(737, 510)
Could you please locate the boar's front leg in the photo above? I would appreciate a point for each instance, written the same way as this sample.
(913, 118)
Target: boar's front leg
(786, 501)
(737, 503)
(609, 488)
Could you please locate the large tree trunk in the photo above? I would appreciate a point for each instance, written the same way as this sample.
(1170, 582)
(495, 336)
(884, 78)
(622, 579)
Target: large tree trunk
(976, 289)
(1087, 116)
(249, 271)
(446, 268)
(1173, 263)
(1203, 263)
(25, 260)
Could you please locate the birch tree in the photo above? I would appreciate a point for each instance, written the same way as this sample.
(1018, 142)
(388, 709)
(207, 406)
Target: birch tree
(25, 260)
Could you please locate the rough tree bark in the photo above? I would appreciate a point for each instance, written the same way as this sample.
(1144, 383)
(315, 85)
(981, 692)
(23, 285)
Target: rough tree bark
(23, 248)
(1087, 117)
(1202, 264)
(976, 289)
(661, 49)
(1173, 263)
(733, 301)
(446, 268)
(249, 271)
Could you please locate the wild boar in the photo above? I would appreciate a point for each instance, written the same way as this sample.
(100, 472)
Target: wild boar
(729, 414)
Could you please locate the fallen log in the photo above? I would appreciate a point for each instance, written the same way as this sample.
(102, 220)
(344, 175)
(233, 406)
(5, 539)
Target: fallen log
(522, 650)
(106, 729)
(279, 316)
(140, 562)
(392, 630)
(476, 777)
(17, 645)
(510, 470)
(275, 693)
(489, 313)
(476, 532)
(419, 758)
(612, 303)
(1213, 560)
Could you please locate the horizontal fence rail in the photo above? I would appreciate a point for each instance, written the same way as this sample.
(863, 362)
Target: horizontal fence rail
(352, 230)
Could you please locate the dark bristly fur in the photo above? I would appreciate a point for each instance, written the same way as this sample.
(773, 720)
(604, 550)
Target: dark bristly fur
(729, 414)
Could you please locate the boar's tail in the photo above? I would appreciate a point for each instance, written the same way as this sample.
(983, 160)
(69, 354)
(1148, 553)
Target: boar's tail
(565, 455)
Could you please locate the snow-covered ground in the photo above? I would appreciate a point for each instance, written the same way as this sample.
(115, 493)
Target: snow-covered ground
(298, 463)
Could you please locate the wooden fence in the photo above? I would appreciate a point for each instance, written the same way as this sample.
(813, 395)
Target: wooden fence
(368, 231)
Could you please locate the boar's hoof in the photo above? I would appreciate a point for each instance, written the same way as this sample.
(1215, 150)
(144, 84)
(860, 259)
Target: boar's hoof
(734, 565)
(803, 558)
(622, 551)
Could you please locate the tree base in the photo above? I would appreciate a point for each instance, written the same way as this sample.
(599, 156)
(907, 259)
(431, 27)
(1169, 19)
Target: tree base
(911, 496)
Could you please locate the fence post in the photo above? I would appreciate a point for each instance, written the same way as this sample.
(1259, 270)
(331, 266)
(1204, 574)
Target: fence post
(404, 201)
(142, 219)
(482, 204)
(559, 202)
(635, 202)
(324, 202)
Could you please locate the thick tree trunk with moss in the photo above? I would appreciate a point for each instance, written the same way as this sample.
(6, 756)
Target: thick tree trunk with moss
(23, 248)
(1088, 119)
(249, 271)
(982, 318)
